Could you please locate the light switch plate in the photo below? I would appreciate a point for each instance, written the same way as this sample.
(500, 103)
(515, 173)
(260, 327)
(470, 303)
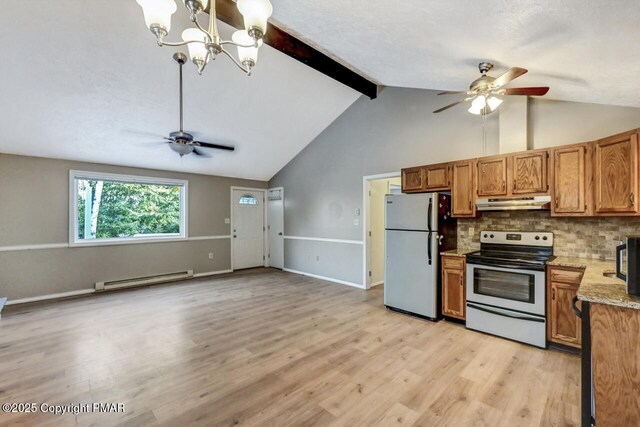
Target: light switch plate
(472, 231)
(357, 212)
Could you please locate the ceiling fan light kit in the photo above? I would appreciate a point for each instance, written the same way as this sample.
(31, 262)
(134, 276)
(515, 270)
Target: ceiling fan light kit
(206, 44)
(485, 92)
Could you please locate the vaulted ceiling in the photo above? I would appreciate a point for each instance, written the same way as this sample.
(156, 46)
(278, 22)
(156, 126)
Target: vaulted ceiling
(84, 79)
(585, 50)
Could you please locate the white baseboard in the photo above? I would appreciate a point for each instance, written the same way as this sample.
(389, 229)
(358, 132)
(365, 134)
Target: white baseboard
(90, 291)
(211, 273)
(51, 296)
(329, 279)
(376, 284)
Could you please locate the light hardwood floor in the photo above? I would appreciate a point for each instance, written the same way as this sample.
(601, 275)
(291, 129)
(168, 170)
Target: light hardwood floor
(267, 348)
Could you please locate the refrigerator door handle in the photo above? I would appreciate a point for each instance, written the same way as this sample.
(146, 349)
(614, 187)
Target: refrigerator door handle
(429, 245)
(429, 212)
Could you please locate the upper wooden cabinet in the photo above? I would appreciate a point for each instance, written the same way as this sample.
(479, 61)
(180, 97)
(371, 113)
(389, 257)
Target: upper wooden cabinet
(492, 176)
(529, 172)
(414, 180)
(438, 177)
(616, 174)
(571, 193)
(463, 189)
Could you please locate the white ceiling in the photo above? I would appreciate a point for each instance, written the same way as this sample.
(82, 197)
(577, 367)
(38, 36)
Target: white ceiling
(585, 50)
(85, 80)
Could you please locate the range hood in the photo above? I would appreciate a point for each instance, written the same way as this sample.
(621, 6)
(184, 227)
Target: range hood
(514, 204)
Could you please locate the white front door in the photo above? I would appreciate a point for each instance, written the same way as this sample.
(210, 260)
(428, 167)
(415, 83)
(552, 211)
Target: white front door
(275, 209)
(248, 229)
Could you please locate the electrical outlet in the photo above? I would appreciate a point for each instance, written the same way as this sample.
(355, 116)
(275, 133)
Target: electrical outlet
(472, 231)
(356, 222)
(210, 255)
(227, 221)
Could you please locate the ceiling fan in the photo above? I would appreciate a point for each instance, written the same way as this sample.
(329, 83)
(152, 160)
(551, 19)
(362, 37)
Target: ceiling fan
(485, 91)
(182, 142)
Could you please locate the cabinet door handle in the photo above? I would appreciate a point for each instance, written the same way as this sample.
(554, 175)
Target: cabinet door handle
(556, 203)
(469, 204)
(460, 280)
(553, 294)
(633, 199)
(504, 185)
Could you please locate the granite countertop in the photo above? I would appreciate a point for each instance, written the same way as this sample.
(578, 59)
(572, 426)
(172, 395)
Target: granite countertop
(457, 252)
(597, 288)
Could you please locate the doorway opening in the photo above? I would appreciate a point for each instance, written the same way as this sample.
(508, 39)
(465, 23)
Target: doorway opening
(375, 188)
(248, 231)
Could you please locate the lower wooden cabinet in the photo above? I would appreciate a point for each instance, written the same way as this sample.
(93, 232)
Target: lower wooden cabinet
(454, 298)
(563, 326)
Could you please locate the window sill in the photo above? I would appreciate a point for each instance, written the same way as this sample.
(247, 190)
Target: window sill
(133, 241)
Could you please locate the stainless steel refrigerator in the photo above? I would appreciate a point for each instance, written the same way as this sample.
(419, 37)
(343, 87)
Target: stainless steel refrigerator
(417, 228)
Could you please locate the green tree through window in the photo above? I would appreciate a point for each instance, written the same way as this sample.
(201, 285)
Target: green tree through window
(111, 209)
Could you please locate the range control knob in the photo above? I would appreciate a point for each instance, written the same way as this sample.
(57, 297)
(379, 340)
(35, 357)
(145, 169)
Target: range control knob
(545, 238)
(491, 236)
(537, 237)
(485, 236)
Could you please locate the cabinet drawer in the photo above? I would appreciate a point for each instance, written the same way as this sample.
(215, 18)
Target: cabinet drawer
(453, 262)
(572, 277)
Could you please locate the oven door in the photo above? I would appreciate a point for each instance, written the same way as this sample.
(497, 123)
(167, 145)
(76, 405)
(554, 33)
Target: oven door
(510, 288)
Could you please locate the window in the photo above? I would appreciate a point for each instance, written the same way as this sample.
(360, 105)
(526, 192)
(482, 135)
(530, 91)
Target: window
(248, 199)
(112, 209)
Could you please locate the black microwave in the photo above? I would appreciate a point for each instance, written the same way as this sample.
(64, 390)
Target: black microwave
(632, 261)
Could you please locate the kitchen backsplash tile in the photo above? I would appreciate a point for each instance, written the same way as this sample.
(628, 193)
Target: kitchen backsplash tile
(575, 237)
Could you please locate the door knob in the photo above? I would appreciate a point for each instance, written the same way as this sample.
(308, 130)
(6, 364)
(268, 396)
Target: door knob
(280, 234)
(234, 236)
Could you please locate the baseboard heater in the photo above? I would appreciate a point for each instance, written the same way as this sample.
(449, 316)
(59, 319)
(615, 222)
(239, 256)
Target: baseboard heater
(143, 281)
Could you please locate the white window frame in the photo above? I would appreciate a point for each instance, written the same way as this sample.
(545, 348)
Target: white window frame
(73, 208)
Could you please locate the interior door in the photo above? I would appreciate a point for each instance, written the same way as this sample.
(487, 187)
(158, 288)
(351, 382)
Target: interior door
(248, 229)
(275, 229)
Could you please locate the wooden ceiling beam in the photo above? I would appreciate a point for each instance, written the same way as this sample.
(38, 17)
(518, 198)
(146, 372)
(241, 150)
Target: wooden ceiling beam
(279, 39)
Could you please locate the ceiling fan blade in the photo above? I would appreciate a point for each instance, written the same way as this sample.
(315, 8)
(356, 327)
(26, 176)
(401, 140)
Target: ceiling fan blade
(453, 92)
(217, 146)
(511, 74)
(531, 91)
(169, 139)
(200, 153)
(450, 105)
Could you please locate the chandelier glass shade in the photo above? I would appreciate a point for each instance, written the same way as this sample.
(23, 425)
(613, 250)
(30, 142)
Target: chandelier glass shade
(205, 44)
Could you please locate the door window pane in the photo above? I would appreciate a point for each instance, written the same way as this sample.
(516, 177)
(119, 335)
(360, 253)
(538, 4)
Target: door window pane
(248, 199)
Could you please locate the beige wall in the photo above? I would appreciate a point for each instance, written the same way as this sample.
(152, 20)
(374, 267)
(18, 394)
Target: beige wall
(34, 207)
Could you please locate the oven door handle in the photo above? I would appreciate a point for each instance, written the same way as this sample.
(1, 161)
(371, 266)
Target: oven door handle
(503, 264)
(499, 313)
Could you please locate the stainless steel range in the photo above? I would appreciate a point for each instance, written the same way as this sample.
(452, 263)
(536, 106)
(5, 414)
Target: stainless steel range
(506, 285)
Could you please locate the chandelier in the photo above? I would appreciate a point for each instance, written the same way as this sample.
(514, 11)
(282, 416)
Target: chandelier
(205, 44)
